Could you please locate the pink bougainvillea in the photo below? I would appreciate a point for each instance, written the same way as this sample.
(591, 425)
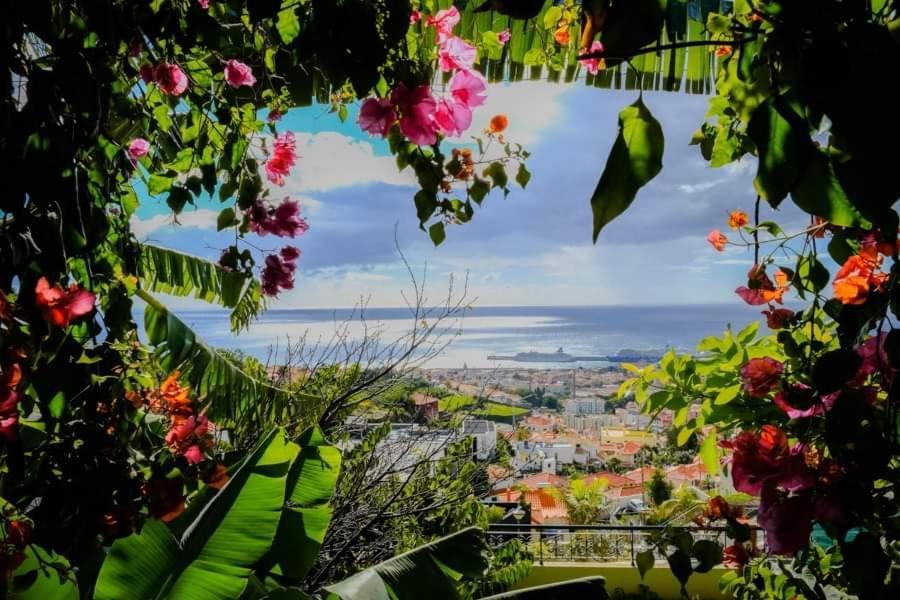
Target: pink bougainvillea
(282, 158)
(468, 88)
(417, 108)
(444, 22)
(60, 306)
(238, 74)
(170, 79)
(376, 116)
(278, 272)
(456, 53)
(283, 220)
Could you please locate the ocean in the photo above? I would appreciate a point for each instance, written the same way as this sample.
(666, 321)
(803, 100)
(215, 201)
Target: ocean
(483, 331)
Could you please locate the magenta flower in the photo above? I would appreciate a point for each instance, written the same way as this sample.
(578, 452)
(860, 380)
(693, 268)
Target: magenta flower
(170, 79)
(238, 74)
(593, 64)
(204, 4)
(9, 414)
(504, 36)
(414, 17)
(376, 115)
(456, 53)
(468, 88)
(282, 221)
(137, 148)
(444, 22)
(194, 455)
(799, 401)
(417, 108)
(282, 158)
(274, 116)
(761, 375)
(452, 118)
(786, 520)
(278, 272)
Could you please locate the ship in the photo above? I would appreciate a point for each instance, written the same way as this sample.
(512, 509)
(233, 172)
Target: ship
(560, 356)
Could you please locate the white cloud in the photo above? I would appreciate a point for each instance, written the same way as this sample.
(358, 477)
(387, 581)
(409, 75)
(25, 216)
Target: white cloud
(202, 218)
(330, 160)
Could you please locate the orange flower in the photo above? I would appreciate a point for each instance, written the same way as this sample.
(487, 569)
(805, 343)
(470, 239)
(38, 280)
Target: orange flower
(498, 123)
(717, 239)
(859, 275)
(762, 290)
(851, 290)
(722, 51)
(176, 395)
(562, 35)
(737, 219)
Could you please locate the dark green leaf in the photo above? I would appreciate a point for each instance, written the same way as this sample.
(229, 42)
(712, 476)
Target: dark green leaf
(226, 219)
(437, 233)
(645, 561)
(708, 553)
(783, 146)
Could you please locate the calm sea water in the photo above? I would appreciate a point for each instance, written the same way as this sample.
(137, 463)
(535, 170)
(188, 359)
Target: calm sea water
(598, 330)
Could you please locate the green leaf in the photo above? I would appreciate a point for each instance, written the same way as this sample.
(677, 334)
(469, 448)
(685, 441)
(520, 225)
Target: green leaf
(307, 513)
(820, 193)
(636, 158)
(523, 176)
(159, 184)
(497, 173)
(716, 23)
(709, 452)
(178, 197)
(812, 274)
(431, 571)
(552, 17)
(437, 233)
(708, 553)
(727, 394)
(783, 146)
(226, 219)
(478, 190)
(535, 57)
(288, 24)
(215, 555)
(645, 561)
(43, 575)
(680, 565)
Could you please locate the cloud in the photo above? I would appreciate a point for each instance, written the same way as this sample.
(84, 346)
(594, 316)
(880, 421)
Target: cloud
(202, 218)
(330, 160)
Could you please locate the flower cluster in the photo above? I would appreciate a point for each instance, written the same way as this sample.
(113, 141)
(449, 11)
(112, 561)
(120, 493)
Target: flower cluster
(861, 273)
(278, 272)
(60, 306)
(238, 74)
(167, 76)
(760, 289)
(761, 376)
(596, 64)
(283, 220)
(421, 116)
(282, 158)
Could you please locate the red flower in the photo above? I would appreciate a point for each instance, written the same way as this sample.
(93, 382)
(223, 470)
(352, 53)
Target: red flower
(761, 375)
(874, 360)
(735, 556)
(761, 290)
(60, 306)
(9, 414)
(170, 79)
(810, 404)
(766, 459)
(777, 318)
(278, 272)
(282, 158)
(18, 533)
(376, 116)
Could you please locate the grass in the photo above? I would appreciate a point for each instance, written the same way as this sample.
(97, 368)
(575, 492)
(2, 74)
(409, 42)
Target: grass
(495, 409)
(455, 402)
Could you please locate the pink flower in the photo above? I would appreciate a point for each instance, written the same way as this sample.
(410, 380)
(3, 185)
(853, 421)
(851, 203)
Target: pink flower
(282, 158)
(452, 118)
(282, 221)
(194, 455)
(444, 22)
(170, 79)
(504, 36)
(468, 88)
(137, 148)
(9, 414)
(593, 64)
(185, 429)
(456, 53)
(376, 116)
(874, 360)
(417, 108)
(760, 375)
(61, 306)
(238, 74)
(274, 116)
(414, 17)
(148, 74)
(810, 404)
(717, 240)
(278, 272)
(204, 4)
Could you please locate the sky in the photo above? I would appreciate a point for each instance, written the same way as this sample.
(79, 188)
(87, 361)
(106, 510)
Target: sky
(531, 248)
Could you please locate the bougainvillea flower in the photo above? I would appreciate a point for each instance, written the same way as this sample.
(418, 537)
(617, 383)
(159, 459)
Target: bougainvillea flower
(274, 116)
(137, 148)
(216, 477)
(874, 360)
(176, 396)
(766, 458)
(722, 51)
(204, 4)
(444, 22)
(194, 455)
(859, 275)
(777, 318)
(282, 158)
(761, 375)
(166, 498)
(18, 532)
(376, 116)
(561, 35)
(278, 271)
(184, 429)
(735, 556)
(456, 53)
(170, 79)
(9, 414)
(147, 73)
(469, 87)
(414, 17)
(718, 508)
(281, 221)
(452, 118)
(761, 289)
(737, 219)
(504, 36)
(787, 520)
(417, 108)
(498, 124)
(238, 74)
(597, 64)
(10, 376)
(62, 306)
(717, 240)
(800, 401)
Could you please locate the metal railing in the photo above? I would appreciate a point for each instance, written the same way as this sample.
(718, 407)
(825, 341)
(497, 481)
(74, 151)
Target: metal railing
(595, 543)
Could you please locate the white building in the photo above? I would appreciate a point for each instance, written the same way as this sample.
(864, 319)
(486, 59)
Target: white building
(484, 437)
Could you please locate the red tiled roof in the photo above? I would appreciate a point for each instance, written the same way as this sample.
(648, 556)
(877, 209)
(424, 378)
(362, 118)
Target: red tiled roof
(612, 480)
(543, 480)
(545, 506)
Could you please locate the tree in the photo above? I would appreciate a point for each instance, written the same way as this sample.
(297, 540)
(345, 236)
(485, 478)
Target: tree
(586, 502)
(658, 488)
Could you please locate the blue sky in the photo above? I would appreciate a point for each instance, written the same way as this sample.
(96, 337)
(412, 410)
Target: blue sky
(531, 248)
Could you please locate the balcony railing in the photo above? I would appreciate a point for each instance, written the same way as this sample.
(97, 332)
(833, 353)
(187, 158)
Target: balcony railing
(596, 543)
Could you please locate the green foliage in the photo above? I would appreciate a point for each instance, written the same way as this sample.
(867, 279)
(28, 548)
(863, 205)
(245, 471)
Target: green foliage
(635, 159)
(658, 488)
